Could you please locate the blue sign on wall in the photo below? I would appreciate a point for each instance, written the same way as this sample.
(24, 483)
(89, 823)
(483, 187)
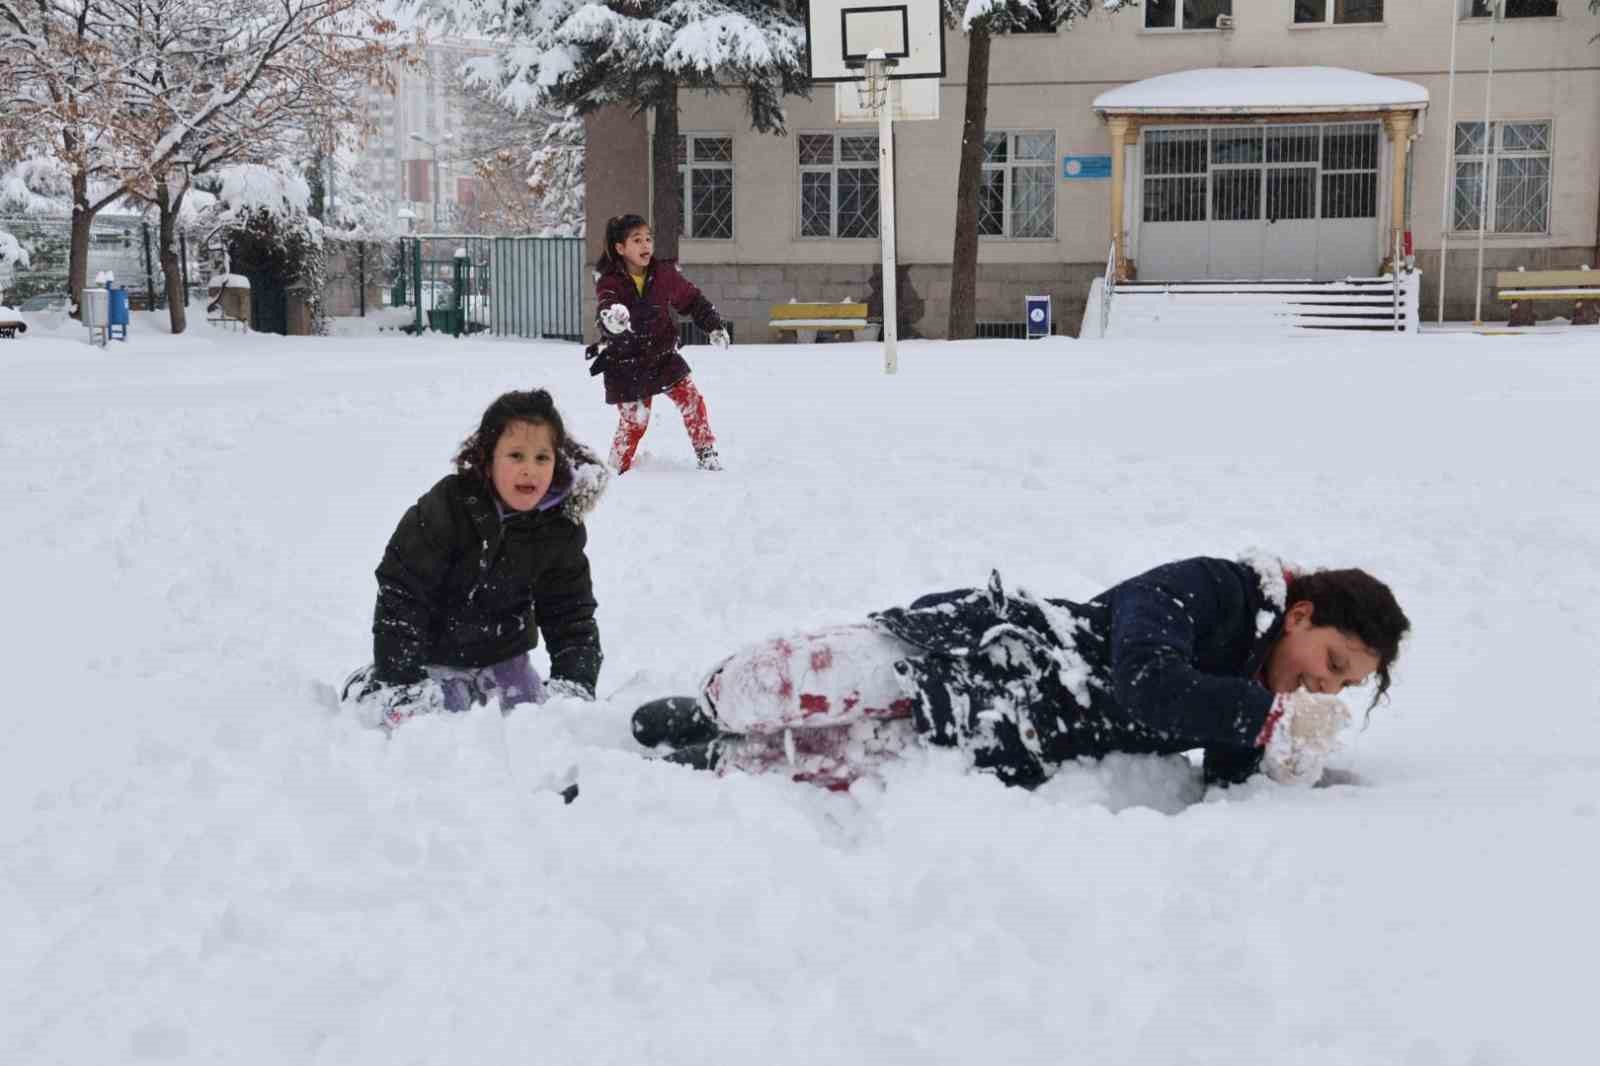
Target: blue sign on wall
(1085, 167)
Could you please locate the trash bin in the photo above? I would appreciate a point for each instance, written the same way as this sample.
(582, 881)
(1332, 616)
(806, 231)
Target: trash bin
(95, 306)
(118, 315)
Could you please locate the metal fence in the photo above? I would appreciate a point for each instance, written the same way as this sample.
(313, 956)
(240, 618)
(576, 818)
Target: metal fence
(125, 245)
(512, 286)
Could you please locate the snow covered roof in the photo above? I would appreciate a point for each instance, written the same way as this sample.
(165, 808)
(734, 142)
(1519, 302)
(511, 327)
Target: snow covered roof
(1263, 90)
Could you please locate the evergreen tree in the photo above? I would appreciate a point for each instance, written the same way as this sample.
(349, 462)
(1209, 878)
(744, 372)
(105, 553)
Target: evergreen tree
(587, 54)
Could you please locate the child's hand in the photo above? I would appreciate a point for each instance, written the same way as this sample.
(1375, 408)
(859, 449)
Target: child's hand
(1303, 733)
(615, 318)
(719, 337)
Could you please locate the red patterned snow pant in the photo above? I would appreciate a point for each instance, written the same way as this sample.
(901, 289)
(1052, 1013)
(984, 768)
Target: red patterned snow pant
(634, 419)
(826, 707)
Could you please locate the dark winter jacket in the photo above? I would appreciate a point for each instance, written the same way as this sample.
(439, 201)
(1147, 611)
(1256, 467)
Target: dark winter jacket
(645, 359)
(461, 586)
(1164, 662)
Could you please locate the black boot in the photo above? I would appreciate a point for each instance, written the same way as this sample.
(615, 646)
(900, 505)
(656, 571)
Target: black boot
(676, 720)
(707, 756)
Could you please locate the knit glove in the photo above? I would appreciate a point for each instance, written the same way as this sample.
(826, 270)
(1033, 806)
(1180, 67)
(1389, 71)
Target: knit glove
(1300, 734)
(615, 318)
(719, 337)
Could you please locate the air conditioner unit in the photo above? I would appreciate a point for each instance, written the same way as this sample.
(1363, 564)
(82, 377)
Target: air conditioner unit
(1224, 22)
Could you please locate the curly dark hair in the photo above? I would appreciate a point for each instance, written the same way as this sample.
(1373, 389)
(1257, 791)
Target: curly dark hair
(617, 229)
(476, 455)
(1359, 605)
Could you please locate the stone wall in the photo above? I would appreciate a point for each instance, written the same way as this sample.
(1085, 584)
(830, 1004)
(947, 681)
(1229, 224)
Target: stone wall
(1461, 266)
(745, 293)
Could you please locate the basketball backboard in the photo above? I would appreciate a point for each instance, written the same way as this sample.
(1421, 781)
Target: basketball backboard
(840, 34)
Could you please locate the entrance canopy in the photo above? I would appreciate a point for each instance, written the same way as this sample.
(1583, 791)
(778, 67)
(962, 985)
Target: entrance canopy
(1262, 91)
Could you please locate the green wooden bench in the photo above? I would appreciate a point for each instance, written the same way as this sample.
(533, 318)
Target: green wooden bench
(1523, 288)
(806, 320)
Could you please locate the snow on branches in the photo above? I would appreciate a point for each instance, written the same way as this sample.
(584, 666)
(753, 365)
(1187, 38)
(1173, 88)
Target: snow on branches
(587, 55)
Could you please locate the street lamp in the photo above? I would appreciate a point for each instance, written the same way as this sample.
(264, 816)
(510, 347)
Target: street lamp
(435, 149)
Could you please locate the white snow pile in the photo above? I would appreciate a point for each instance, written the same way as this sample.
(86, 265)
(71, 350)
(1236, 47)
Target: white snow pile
(202, 860)
(1264, 89)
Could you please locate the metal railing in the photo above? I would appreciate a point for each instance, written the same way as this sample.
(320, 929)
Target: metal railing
(513, 286)
(1108, 288)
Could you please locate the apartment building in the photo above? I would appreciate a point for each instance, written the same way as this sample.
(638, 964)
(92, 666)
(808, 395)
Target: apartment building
(1193, 137)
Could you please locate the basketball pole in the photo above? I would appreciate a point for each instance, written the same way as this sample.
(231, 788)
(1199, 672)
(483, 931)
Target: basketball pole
(877, 82)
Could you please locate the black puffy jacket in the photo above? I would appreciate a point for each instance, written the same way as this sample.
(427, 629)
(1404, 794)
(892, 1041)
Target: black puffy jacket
(461, 586)
(1161, 663)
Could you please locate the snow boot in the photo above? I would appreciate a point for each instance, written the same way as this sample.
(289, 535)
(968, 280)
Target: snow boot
(676, 720)
(707, 459)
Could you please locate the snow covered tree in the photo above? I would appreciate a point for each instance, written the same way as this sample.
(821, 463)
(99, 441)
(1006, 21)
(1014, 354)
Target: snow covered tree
(555, 176)
(588, 54)
(982, 20)
(134, 95)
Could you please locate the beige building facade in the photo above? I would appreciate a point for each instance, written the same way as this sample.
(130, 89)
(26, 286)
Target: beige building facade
(1208, 188)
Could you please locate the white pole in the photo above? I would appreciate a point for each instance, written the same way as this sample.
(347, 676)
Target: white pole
(1448, 210)
(1483, 188)
(891, 325)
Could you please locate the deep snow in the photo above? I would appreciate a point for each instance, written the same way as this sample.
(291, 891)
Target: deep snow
(202, 861)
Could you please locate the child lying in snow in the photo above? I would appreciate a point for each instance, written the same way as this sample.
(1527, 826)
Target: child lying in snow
(488, 552)
(1243, 659)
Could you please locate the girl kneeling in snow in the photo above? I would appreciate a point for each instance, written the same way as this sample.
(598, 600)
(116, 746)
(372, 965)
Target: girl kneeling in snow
(1243, 659)
(636, 295)
(488, 558)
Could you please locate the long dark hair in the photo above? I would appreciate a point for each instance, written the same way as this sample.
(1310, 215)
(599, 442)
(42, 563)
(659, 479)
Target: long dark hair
(617, 229)
(476, 455)
(1358, 604)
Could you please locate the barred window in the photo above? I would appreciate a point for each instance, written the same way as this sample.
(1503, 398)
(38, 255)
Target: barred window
(1515, 156)
(1017, 191)
(1350, 170)
(838, 184)
(1175, 175)
(705, 172)
(1338, 12)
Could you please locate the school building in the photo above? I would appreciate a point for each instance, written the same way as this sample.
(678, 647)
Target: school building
(1181, 139)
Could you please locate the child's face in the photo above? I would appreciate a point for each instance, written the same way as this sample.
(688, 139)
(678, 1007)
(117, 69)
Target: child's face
(637, 249)
(524, 464)
(1318, 658)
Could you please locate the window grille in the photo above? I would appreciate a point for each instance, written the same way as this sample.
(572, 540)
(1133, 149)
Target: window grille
(1184, 14)
(1516, 158)
(1017, 191)
(838, 184)
(705, 173)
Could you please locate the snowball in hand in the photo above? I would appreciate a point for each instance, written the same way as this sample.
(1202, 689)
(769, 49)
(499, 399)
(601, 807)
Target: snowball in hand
(615, 318)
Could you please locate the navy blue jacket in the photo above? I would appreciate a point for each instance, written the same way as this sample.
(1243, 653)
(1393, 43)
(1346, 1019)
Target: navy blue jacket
(1163, 662)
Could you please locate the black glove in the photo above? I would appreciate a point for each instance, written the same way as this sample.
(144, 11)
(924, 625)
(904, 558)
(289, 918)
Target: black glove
(596, 354)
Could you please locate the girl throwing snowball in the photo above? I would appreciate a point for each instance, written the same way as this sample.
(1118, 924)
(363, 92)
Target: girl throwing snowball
(1243, 659)
(487, 559)
(636, 295)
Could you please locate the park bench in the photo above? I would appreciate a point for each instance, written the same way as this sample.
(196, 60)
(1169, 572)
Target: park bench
(10, 327)
(1522, 288)
(806, 320)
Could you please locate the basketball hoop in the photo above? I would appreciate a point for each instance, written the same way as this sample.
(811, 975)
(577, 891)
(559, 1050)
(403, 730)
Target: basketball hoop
(872, 91)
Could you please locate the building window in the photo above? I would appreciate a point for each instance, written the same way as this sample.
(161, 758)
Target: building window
(705, 175)
(1184, 14)
(1350, 170)
(1338, 12)
(1017, 197)
(838, 184)
(1175, 175)
(1514, 9)
(1515, 156)
(1042, 19)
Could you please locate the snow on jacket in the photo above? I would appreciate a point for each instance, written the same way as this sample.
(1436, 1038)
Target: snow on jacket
(460, 585)
(645, 359)
(1161, 663)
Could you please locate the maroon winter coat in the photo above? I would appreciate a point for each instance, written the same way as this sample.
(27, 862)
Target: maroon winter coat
(645, 360)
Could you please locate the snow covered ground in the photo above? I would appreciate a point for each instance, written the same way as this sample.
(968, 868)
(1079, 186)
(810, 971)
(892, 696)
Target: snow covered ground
(202, 861)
